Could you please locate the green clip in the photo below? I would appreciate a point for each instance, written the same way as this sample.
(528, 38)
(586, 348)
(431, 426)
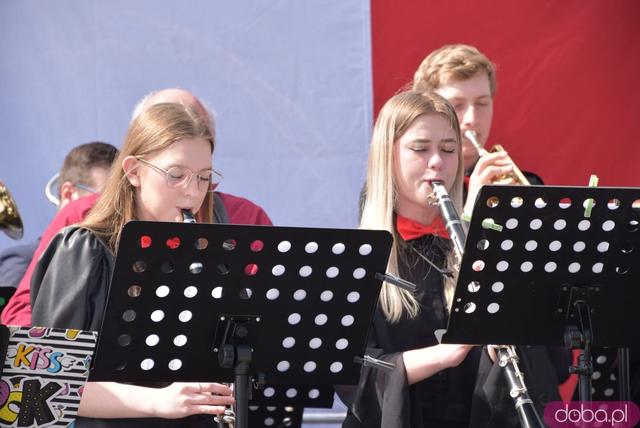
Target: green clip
(593, 182)
(488, 223)
(466, 217)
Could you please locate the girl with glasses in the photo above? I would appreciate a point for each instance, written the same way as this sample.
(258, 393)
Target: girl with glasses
(163, 168)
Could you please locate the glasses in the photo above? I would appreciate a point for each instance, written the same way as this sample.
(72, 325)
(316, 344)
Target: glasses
(85, 188)
(178, 176)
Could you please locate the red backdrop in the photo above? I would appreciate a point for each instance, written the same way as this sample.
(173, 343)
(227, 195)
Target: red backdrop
(568, 100)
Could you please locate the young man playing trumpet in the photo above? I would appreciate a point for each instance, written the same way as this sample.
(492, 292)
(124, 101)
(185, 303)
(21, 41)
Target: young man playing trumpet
(467, 79)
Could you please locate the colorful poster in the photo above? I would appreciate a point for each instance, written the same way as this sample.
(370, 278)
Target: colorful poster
(43, 376)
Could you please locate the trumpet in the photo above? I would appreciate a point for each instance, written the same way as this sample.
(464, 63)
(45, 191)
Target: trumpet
(10, 221)
(507, 356)
(516, 175)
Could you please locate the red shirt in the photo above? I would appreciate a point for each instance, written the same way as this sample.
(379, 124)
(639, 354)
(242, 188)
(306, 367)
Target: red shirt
(18, 309)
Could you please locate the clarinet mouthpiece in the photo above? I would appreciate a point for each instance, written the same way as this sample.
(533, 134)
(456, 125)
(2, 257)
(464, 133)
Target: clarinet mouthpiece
(187, 217)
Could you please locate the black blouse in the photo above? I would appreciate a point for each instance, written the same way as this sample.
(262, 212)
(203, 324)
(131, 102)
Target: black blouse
(69, 290)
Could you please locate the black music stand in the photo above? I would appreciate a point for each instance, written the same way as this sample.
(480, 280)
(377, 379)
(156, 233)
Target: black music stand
(550, 266)
(208, 302)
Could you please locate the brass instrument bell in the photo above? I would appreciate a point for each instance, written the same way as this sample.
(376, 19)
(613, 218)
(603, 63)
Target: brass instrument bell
(10, 221)
(516, 175)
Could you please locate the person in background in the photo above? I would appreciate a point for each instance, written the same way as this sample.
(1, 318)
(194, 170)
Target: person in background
(466, 78)
(84, 171)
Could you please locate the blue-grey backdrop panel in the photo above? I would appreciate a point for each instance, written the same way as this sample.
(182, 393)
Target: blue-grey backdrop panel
(290, 82)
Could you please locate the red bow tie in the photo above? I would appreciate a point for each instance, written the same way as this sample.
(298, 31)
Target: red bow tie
(409, 229)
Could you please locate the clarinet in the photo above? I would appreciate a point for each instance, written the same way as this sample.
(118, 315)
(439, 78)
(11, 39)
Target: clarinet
(508, 360)
(507, 357)
(228, 418)
(450, 216)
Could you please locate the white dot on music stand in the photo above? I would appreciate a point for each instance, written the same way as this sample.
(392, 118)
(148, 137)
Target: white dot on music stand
(492, 308)
(299, 295)
(332, 272)
(359, 273)
(291, 392)
(347, 320)
(294, 318)
(147, 364)
(342, 343)
(152, 340)
(185, 316)
(162, 291)
(282, 366)
(288, 342)
(353, 297)
(157, 315)
(315, 343)
(365, 249)
(175, 364)
(336, 367)
(273, 294)
(338, 248)
(305, 271)
(284, 246)
(311, 247)
(326, 295)
(278, 270)
(320, 319)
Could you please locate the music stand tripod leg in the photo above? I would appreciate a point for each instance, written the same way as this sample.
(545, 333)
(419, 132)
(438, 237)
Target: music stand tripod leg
(582, 338)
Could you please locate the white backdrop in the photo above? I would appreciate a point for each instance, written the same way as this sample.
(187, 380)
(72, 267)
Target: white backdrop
(290, 82)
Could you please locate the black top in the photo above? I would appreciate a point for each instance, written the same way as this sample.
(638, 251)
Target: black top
(472, 394)
(69, 290)
(14, 262)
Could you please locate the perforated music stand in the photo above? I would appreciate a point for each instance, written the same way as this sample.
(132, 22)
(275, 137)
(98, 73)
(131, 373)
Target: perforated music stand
(563, 265)
(283, 305)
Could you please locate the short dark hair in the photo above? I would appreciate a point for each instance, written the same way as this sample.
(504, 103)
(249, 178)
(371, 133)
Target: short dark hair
(79, 162)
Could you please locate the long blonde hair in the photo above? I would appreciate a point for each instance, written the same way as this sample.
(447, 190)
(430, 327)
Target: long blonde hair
(154, 129)
(395, 117)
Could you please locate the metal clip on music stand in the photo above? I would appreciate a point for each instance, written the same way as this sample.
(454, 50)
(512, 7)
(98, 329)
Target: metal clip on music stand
(207, 302)
(551, 266)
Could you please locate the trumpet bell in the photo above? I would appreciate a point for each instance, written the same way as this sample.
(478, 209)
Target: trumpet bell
(10, 221)
(516, 175)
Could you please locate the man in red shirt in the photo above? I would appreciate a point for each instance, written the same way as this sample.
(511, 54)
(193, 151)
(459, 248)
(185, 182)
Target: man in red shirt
(232, 209)
(84, 171)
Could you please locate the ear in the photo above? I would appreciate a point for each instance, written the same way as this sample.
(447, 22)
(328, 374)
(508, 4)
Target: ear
(130, 167)
(66, 193)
